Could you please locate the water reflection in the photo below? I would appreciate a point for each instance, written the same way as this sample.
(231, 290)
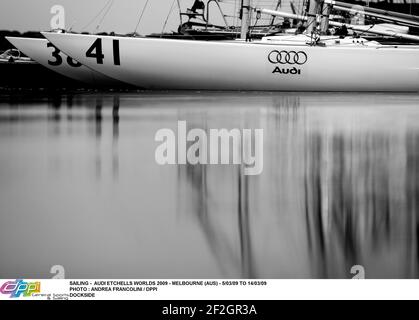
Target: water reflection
(339, 187)
(115, 135)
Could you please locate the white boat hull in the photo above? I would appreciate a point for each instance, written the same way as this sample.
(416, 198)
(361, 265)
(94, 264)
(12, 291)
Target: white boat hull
(199, 65)
(43, 52)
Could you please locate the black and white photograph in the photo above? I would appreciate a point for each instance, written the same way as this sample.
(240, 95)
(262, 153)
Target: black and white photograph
(171, 146)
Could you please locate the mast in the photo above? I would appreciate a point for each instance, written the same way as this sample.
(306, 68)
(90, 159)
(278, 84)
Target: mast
(180, 11)
(324, 22)
(245, 16)
(278, 5)
(313, 9)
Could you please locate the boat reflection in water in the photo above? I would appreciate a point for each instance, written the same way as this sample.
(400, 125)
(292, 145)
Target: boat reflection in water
(339, 187)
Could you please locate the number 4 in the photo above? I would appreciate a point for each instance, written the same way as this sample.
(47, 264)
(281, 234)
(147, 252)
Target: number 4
(96, 52)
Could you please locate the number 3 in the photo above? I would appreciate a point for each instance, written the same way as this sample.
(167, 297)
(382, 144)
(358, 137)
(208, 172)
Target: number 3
(59, 60)
(56, 54)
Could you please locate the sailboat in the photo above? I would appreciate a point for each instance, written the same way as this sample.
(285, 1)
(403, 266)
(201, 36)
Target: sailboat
(44, 52)
(307, 62)
(14, 56)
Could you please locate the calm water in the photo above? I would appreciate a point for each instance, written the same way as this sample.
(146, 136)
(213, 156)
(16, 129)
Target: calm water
(80, 187)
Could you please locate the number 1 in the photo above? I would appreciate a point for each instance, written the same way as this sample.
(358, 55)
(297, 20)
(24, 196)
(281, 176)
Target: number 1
(116, 57)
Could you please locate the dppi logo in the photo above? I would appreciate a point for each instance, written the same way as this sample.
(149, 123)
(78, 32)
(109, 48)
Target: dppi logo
(20, 287)
(294, 58)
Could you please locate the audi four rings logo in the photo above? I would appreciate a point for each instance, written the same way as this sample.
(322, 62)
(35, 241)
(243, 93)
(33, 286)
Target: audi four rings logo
(287, 57)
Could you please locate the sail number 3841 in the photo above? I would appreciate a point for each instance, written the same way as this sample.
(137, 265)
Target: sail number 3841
(96, 52)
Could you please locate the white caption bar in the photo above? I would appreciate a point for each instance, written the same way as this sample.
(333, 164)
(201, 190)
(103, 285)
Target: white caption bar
(208, 289)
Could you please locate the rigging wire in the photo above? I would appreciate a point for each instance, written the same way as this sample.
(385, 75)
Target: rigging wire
(235, 14)
(366, 31)
(141, 16)
(167, 18)
(97, 15)
(104, 15)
